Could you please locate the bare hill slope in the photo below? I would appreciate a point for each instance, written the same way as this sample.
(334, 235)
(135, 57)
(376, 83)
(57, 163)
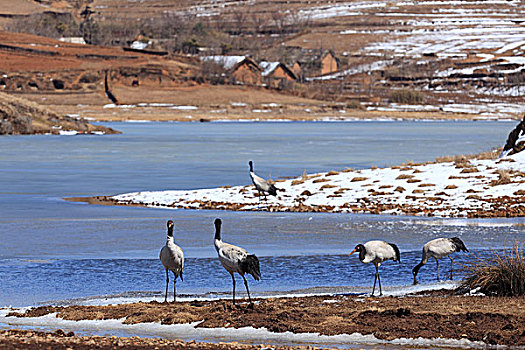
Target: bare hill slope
(20, 116)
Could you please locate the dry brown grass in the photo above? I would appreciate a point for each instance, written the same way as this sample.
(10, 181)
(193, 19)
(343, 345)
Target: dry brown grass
(464, 159)
(501, 274)
(303, 178)
(469, 170)
(21, 116)
(320, 180)
(410, 181)
(332, 173)
(327, 186)
(519, 193)
(404, 177)
(399, 189)
(451, 187)
(426, 185)
(359, 178)
(503, 178)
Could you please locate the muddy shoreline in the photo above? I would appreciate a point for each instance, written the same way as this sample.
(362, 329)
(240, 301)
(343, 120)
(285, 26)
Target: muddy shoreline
(514, 209)
(439, 314)
(22, 339)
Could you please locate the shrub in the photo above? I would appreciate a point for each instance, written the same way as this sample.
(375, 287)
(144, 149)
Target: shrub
(407, 96)
(359, 178)
(354, 104)
(503, 178)
(501, 274)
(50, 24)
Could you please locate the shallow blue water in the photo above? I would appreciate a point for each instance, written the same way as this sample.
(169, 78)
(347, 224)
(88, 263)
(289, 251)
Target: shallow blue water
(53, 250)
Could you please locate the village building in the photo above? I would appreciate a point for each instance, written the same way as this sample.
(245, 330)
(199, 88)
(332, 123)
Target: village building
(277, 74)
(297, 70)
(329, 63)
(241, 69)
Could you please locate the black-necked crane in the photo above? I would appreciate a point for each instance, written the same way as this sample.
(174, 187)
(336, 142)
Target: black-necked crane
(107, 91)
(438, 248)
(261, 184)
(172, 257)
(236, 259)
(376, 252)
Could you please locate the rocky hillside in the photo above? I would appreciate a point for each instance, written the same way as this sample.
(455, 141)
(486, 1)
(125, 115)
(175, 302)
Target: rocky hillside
(19, 116)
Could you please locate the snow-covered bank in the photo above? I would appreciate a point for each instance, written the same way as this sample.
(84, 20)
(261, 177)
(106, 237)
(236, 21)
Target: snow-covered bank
(429, 319)
(460, 188)
(191, 332)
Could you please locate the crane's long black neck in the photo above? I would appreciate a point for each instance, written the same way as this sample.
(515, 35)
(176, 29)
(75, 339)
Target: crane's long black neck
(415, 270)
(362, 251)
(458, 243)
(217, 230)
(170, 231)
(251, 167)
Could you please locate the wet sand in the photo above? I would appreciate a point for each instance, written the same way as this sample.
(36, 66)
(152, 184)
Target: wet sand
(438, 314)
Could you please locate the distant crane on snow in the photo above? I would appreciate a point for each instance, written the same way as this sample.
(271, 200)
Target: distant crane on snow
(261, 184)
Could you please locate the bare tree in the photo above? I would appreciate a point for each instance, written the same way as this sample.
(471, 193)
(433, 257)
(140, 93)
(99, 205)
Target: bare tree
(279, 20)
(239, 18)
(259, 21)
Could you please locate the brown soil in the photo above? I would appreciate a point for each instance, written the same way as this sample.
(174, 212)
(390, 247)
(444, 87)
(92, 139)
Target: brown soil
(20, 339)
(20, 116)
(213, 103)
(441, 314)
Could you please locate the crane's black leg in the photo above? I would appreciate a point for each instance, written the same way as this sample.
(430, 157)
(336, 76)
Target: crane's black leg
(233, 279)
(167, 282)
(379, 280)
(437, 267)
(174, 288)
(375, 279)
(246, 285)
(451, 261)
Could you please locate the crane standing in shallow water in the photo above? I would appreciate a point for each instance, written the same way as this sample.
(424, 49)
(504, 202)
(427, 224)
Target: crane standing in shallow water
(438, 248)
(172, 257)
(236, 259)
(261, 184)
(376, 252)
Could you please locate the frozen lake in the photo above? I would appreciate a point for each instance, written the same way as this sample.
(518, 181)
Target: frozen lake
(62, 252)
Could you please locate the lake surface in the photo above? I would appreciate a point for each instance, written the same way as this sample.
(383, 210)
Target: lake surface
(57, 251)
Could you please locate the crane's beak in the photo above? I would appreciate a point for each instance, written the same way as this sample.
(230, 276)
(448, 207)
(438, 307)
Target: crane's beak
(353, 251)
